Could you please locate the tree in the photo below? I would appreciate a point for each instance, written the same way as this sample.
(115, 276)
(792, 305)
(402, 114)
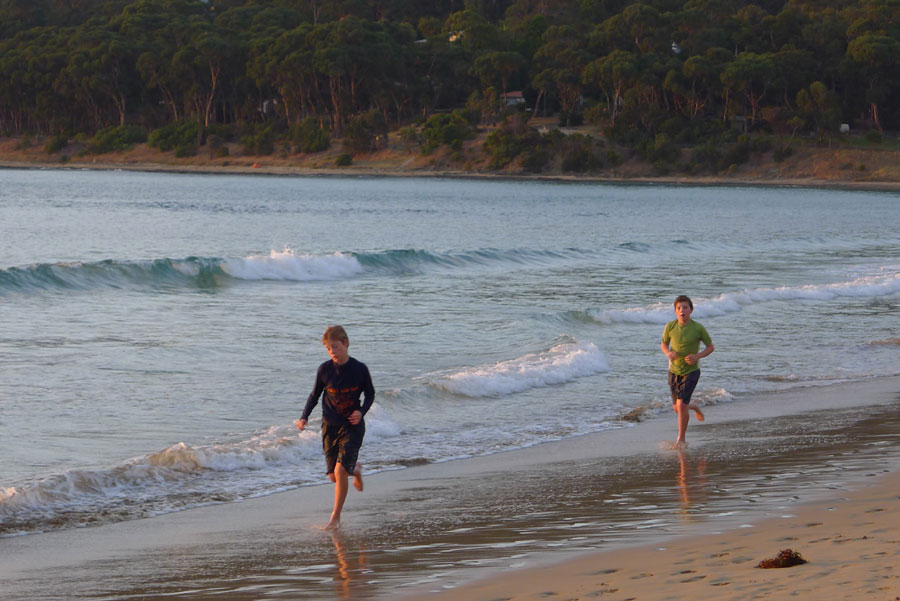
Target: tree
(613, 73)
(558, 67)
(496, 65)
(750, 74)
(877, 57)
(818, 106)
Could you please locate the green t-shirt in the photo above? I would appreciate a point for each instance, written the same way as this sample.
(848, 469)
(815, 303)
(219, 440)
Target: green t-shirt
(684, 340)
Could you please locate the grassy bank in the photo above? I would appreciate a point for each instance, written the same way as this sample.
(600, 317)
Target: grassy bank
(849, 161)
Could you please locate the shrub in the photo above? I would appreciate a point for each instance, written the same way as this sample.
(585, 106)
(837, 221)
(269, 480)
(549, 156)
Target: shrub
(705, 158)
(309, 136)
(186, 150)
(113, 139)
(56, 143)
(450, 130)
(261, 142)
(175, 135)
(534, 161)
(595, 115)
(579, 154)
(344, 160)
(512, 137)
(216, 145)
(873, 136)
(782, 153)
(223, 131)
(365, 132)
(614, 158)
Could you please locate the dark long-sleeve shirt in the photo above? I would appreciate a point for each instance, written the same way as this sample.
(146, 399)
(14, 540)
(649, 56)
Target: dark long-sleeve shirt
(343, 385)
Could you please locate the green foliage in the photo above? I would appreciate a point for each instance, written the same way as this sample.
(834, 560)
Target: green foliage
(261, 142)
(344, 159)
(445, 130)
(506, 142)
(875, 137)
(780, 154)
(176, 135)
(216, 145)
(365, 133)
(535, 160)
(360, 67)
(115, 139)
(56, 143)
(579, 155)
(309, 136)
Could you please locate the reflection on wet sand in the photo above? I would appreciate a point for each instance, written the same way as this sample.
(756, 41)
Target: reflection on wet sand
(351, 564)
(692, 484)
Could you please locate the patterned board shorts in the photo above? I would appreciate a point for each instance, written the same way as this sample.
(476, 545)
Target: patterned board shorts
(341, 444)
(682, 387)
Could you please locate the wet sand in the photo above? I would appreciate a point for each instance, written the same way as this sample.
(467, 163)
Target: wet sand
(851, 545)
(431, 531)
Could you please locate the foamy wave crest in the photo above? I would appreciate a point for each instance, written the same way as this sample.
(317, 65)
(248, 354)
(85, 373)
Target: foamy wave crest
(175, 478)
(287, 265)
(178, 477)
(560, 364)
(733, 302)
(199, 272)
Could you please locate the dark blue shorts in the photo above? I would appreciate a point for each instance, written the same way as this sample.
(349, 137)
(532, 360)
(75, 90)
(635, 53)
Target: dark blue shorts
(341, 444)
(682, 387)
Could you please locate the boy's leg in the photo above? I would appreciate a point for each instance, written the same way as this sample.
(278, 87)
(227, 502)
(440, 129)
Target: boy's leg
(341, 487)
(684, 416)
(682, 388)
(348, 442)
(357, 477)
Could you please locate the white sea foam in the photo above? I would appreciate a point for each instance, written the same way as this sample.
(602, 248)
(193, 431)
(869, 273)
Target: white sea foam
(732, 302)
(562, 363)
(180, 476)
(287, 265)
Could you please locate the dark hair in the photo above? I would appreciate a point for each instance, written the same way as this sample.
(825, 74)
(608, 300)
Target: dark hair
(684, 299)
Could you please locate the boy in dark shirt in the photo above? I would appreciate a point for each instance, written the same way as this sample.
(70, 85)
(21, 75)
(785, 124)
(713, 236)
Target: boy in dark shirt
(343, 379)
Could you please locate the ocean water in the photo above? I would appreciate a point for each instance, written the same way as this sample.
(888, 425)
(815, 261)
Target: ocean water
(159, 333)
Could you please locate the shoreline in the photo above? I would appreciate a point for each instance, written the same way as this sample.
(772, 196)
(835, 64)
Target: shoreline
(443, 525)
(299, 171)
(851, 543)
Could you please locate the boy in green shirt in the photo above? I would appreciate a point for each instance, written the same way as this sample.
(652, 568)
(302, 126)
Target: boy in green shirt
(681, 344)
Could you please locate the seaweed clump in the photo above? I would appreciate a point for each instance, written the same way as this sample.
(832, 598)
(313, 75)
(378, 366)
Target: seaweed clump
(784, 559)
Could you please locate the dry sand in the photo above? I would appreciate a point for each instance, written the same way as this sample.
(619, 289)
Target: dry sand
(851, 544)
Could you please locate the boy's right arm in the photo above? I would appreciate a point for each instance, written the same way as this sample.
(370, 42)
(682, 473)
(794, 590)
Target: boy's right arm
(664, 347)
(312, 400)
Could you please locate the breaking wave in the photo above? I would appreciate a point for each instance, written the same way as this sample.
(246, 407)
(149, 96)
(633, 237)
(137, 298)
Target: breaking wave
(559, 364)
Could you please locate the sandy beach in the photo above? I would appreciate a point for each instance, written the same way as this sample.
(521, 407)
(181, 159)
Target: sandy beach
(851, 543)
(615, 515)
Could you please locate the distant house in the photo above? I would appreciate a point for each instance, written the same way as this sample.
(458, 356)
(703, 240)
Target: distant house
(512, 98)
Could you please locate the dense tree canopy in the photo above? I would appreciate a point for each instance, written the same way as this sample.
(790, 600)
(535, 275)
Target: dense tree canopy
(69, 67)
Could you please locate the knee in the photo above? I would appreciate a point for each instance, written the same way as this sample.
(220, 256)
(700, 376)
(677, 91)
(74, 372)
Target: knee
(340, 471)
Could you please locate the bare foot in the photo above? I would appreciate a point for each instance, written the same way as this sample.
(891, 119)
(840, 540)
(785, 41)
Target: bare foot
(332, 525)
(700, 416)
(357, 477)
